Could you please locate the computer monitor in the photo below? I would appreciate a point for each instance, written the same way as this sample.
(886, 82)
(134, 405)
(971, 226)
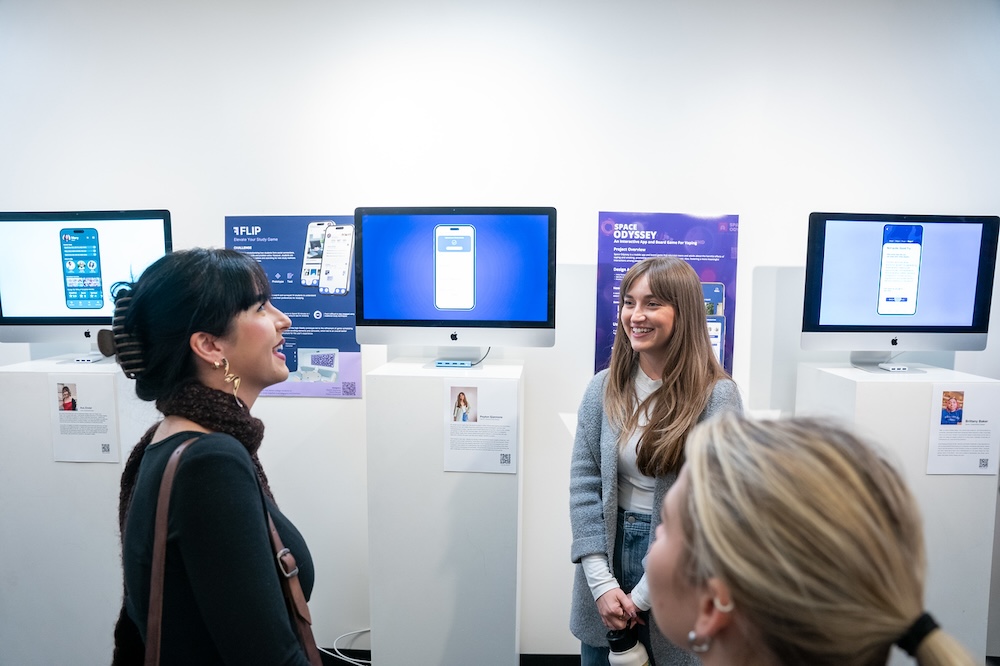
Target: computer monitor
(880, 284)
(456, 277)
(57, 268)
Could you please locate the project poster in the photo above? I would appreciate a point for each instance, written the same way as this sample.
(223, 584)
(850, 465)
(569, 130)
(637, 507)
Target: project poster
(964, 438)
(481, 426)
(310, 263)
(708, 243)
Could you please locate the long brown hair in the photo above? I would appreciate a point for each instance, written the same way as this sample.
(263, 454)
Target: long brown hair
(689, 374)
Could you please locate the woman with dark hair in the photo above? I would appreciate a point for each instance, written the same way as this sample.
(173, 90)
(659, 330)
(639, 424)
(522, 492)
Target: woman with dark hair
(68, 402)
(632, 424)
(198, 333)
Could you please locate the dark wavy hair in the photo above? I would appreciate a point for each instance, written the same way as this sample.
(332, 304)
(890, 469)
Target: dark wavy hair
(182, 293)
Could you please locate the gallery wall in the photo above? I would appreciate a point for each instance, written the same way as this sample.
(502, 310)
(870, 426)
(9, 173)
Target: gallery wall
(767, 110)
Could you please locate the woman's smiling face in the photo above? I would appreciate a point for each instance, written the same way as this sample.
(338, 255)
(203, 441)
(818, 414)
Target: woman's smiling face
(648, 322)
(253, 347)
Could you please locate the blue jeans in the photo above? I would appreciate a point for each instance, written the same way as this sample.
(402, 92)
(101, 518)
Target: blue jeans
(631, 545)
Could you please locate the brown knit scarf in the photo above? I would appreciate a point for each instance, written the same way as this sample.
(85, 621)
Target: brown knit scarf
(214, 410)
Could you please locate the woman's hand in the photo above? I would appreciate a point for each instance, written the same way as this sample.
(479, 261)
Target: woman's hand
(637, 617)
(616, 609)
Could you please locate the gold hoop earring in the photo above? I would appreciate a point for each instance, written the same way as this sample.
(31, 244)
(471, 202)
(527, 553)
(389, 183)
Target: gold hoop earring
(229, 377)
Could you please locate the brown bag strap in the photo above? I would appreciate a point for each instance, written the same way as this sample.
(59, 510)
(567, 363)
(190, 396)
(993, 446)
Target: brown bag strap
(287, 569)
(288, 572)
(155, 616)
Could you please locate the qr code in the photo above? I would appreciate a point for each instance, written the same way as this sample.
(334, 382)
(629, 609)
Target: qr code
(349, 388)
(105, 448)
(325, 360)
(504, 458)
(984, 463)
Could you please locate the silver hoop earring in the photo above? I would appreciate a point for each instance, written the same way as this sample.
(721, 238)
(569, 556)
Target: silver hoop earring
(699, 648)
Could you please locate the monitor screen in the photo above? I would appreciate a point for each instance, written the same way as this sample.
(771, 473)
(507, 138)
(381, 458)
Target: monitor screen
(456, 276)
(57, 269)
(893, 283)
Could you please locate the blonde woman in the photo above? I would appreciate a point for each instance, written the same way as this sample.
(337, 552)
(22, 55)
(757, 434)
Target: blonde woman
(632, 424)
(792, 542)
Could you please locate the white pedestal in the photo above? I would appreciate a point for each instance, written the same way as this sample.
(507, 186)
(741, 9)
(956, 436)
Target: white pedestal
(62, 583)
(958, 510)
(444, 546)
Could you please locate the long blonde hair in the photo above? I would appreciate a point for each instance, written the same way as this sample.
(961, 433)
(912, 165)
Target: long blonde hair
(690, 372)
(817, 536)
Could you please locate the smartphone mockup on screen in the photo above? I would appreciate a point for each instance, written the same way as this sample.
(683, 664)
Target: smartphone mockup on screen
(899, 273)
(717, 335)
(312, 255)
(715, 297)
(454, 267)
(338, 253)
(81, 261)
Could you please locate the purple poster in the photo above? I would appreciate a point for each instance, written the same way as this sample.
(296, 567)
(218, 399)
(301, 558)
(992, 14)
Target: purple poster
(707, 243)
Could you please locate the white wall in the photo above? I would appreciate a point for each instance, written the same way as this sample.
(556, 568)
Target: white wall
(767, 109)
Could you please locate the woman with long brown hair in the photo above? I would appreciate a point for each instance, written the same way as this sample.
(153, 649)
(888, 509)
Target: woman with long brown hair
(663, 378)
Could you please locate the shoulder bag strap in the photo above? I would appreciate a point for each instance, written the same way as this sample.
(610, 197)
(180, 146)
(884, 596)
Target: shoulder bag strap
(288, 572)
(287, 569)
(155, 615)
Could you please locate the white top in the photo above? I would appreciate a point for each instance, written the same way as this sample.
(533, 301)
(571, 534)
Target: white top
(635, 489)
(635, 493)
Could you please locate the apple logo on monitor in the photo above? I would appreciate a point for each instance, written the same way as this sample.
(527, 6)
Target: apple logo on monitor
(454, 336)
(894, 342)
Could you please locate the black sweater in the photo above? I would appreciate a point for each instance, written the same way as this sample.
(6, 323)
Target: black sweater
(223, 602)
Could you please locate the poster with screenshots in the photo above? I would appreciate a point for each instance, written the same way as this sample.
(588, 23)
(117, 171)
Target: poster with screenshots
(309, 260)
(708, 243)
(964, 438)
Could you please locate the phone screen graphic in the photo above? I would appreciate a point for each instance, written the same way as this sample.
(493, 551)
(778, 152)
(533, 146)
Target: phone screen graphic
(81, 262)
(312, 255)
(714, 294)
(717, 335)
(899, 273)
(454, 267)
(338, 252)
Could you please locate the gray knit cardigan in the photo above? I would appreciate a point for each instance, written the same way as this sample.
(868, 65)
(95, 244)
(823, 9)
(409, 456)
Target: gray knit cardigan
(593, 502)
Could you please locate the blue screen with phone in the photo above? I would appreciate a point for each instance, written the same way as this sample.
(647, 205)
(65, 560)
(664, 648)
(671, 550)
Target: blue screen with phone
(899, 272)
(81, 266)
(493, 267)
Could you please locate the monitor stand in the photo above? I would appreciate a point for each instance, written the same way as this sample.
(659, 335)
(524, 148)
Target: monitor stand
(442, 357)
(100, 349)
(879, 362)
(92, 356)
(869, 360)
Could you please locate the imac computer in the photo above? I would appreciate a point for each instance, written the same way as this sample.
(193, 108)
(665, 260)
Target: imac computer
(456, 278)
(877, 284)
(57, 269)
